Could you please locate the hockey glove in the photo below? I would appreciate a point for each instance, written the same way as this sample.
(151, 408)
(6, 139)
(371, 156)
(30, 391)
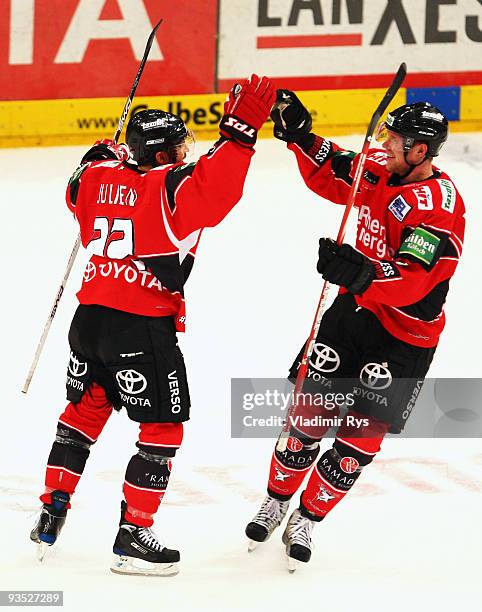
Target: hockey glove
(106, 149)
(246, 109)
(292, 121)
(345, 266)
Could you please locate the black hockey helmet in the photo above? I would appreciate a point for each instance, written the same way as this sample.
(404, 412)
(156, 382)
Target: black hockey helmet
(150, 131)
(419, 122)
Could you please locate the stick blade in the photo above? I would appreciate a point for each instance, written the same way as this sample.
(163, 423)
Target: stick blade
(154, 30)
(388, 97)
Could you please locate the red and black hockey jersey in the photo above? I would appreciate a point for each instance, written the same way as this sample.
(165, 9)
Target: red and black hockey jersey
(142, 228)
(413, 233)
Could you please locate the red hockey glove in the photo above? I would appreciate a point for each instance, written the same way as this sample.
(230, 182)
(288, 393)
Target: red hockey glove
(106, 149)
(246, 109)
(345, 266)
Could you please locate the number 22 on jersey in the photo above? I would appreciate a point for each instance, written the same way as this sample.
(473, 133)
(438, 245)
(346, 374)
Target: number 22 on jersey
(114, 241)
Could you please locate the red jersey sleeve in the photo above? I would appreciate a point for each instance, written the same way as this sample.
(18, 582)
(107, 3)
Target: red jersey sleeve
(204, 197)
(73, 188)
(326, 168)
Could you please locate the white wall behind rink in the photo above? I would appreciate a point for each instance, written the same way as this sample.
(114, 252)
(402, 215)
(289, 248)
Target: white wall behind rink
(429, 36)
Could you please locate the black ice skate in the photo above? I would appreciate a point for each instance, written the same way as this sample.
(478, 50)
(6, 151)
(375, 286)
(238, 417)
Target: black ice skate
(297, 538)
(138, 552)
(269, 516)
(50, 522)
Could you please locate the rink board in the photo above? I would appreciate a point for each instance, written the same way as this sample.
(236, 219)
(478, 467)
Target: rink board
(345, 111)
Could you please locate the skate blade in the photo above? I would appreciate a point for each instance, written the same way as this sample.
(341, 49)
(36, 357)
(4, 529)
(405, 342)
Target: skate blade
(252, 545)
(292, 564)
(137, 567)
(42, 548)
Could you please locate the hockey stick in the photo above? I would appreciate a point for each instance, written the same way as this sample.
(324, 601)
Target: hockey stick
(303, 369)
(76, 247)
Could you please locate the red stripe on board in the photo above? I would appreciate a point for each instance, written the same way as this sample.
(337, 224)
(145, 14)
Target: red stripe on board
(322, 40)
(367, 81)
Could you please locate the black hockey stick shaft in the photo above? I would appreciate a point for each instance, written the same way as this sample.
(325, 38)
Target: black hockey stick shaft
(77, 244)
(303, 369)
(128, 103)
(377, 115)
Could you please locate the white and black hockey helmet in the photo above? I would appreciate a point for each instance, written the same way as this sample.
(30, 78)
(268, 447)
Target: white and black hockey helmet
(150, 131)
(419, 122)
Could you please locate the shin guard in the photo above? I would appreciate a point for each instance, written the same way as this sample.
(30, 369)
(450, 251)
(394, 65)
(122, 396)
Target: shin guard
(148, 472)
(147, 477)
(289, 468)
(78, 428)
(66, 462)
(338, 469)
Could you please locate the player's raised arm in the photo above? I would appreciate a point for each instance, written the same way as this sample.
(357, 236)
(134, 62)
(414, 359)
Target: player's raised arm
(325, 167)
(202, 195)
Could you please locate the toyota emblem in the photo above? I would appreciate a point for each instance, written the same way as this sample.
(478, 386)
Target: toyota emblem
(131, 382)
(375, 376)
(76, 368)
(90, 271)
(324, 358)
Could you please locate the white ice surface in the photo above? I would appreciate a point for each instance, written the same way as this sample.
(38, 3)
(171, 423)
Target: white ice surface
(408, 537)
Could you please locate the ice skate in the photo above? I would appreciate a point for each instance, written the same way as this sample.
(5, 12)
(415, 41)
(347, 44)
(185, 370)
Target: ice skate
(50, 522)
(297, 538)
(138, 552)
(269, 516)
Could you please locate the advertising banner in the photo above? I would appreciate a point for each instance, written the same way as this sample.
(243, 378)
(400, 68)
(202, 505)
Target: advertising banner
(333, 44)
(52, 49)
(84, 120)
(66, 66)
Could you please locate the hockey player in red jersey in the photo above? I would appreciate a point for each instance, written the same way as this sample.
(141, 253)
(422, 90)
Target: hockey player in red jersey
(141, 211)
(383, 328)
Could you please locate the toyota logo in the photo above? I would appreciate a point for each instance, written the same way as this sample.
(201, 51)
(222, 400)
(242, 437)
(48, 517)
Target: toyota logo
(131, 381)
(324, 358)
(89, 272)
(76, 368)
(375, 376)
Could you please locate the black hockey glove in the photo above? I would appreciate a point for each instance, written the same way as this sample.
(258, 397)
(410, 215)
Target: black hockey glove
(292, 121)
(106, 149)
(345, 266)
